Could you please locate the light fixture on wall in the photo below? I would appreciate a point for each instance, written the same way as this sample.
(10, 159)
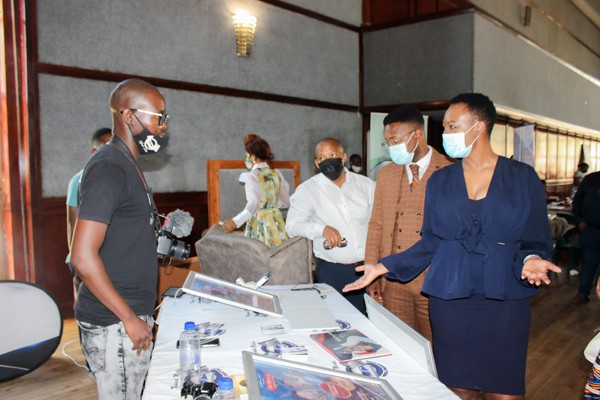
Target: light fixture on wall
(527, 16)
(244, 25)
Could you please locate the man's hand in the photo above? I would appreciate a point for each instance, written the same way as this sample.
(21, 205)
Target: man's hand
(229, 226)
(370, 273)
(139, 332)
(333, 237)
(374, 290)
(536, 271)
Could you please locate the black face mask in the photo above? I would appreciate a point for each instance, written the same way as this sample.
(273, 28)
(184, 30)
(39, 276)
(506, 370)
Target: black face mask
(147, 142)
(332, 168)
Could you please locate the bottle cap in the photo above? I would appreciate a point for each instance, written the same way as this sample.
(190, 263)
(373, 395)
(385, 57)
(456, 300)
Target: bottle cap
(190, 325)
(225, 383)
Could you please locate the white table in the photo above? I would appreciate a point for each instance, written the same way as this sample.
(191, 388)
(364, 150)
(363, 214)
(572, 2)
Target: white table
(407, 377)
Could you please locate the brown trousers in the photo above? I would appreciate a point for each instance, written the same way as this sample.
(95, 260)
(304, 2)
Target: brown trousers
(406, 301)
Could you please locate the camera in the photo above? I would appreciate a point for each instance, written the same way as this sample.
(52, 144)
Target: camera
(205, 390)
(169, 246)
(177, 224)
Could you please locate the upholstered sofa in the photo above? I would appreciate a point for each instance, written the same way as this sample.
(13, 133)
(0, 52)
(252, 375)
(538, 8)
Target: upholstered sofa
(229, 256)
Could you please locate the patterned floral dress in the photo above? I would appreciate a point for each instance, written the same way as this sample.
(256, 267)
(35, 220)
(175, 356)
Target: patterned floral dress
(267, 225)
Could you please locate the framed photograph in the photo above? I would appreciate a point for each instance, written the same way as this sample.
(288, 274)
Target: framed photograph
(409, 340)
(270, 378)
(232, 294)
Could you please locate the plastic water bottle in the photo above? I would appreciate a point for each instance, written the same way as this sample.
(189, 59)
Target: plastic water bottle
(189, 354)
(225, 390)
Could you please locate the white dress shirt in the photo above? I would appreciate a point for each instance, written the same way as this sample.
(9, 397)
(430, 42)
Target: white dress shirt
(318, 202)
(252, 188)
(423, 163)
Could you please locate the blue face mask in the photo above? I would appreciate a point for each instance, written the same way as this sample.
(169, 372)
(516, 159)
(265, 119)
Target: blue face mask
(399, 153)
(454, 143)
(248, 163)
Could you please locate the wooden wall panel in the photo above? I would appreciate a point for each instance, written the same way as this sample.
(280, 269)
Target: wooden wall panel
(50, 233)
(384, 12)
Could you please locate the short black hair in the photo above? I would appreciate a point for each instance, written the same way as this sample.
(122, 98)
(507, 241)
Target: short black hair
(404, 114)
(480, 106)
(98, 135)
(355, 159)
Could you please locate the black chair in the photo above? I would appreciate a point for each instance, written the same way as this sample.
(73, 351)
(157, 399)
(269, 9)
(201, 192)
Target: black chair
(31, 328)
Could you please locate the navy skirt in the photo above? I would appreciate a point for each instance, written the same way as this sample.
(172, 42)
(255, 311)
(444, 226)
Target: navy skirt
(481, 344)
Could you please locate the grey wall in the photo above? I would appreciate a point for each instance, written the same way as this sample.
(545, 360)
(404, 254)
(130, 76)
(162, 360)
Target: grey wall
(438, 59)
(570, 46)
(193, 41)
(537, 82)
(202, 126)
(426, 61)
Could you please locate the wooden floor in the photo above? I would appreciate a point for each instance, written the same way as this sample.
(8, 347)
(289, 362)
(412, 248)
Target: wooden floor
(556, 367)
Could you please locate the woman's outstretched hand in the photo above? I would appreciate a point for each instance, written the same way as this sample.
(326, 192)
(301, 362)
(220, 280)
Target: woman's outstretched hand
(535, 271)
(370, 273)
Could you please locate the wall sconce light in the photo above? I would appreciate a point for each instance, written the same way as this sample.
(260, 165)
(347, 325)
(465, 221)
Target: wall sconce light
(244, 25)
(527, 16)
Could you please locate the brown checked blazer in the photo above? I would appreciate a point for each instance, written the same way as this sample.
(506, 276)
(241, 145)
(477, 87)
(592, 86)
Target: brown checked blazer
(392, 181)
(395, 225)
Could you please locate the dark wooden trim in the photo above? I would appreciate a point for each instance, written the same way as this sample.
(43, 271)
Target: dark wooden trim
(34, 103)
(311, 14)
(421, 18)
(84, 73)
(425, 106)
(560, 26)
(361, 96)
(51, 245)
(15, 141)
(213, 188)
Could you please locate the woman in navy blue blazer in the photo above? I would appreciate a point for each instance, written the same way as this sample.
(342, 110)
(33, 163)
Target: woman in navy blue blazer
(487, 238)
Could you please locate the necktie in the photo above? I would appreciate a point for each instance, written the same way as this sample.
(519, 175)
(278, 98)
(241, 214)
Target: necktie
(414, 168)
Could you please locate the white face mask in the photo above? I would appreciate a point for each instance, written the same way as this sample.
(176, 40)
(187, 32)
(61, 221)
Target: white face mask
(454, 143)
(356, 168)
(399, 153)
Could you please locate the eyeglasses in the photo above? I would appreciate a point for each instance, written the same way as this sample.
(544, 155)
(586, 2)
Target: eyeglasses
(396, 140)
(162, 118)
(333, 154)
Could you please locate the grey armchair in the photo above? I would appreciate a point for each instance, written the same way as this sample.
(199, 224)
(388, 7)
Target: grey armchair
(229, 256)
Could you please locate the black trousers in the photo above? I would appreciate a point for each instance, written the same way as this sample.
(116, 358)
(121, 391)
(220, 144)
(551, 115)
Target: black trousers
(338, 276)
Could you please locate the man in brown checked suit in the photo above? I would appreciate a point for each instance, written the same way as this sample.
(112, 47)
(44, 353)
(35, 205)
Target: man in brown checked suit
(397, 214)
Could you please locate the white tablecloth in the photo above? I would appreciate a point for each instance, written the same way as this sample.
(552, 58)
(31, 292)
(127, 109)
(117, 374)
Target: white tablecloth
(241, 327)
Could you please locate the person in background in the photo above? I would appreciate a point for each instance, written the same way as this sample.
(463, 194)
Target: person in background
(333, 209)
(397, 215)
(586, 210)
(582, 169)
(486, 235)
(99, 138)
(114, 245)
(356, 163)
(266, 191)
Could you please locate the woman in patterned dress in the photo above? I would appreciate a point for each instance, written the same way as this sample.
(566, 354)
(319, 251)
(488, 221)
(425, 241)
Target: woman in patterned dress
(266, 191)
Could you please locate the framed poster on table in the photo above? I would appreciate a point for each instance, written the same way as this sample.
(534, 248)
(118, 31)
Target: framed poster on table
(270, 378)
(232, 294)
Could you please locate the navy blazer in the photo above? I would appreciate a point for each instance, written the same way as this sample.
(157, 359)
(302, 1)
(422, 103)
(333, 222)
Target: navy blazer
(470, 253)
